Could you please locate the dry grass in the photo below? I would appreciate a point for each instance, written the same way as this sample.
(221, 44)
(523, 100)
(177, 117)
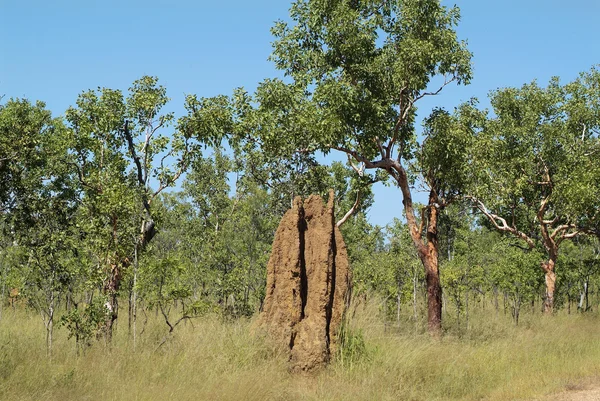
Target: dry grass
(216, 360)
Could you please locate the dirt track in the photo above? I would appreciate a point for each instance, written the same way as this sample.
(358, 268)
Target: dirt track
(578, 393)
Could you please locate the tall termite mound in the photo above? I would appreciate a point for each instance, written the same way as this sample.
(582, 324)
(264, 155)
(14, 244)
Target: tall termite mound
(308, 283)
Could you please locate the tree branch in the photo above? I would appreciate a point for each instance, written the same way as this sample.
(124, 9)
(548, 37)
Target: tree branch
(136, 159)
(174, 177)
(351, 211)
(500, 223)
(446, 83)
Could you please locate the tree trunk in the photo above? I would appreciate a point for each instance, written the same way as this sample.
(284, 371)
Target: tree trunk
(130, 309)
(496, 306)
(467, 310)
(415, 296)
(398, 299)
(111, 289)
(50, 331)
(457, 303)
(428, 251)
(434, 299)
(50, 321)
(3, 292)
(134, 292)
(583, 297)
(548, 267)
(432, 273)
(587, 290)
(517, 308)
(444, 306)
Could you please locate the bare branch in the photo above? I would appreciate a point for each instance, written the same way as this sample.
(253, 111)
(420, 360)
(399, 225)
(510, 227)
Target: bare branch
(422, 224)
(446, 83)
(384, 163)
(570, 235)
(134, 155)
(11, 157)
(500, 223)
(351, 211)
(149, 136)
(182, 167)
(80, 177)
(161, 122)
(550, 222)
(563, 231)
(359, 170)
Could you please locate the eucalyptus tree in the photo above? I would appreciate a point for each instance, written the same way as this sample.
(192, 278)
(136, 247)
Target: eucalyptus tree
(535, 163)
(23, 128)
(124, 157)
(356, 70)
(38, 203)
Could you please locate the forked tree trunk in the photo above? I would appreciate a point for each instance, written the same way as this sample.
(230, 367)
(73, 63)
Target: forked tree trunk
(117, 266)
(428, 253)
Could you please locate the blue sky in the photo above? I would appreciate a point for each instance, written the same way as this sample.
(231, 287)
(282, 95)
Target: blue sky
(53, 50)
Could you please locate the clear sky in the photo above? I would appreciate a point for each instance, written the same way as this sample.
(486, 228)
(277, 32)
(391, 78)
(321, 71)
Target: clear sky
(53, 50)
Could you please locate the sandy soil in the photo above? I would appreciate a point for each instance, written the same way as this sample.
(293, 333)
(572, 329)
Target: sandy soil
(584, 392)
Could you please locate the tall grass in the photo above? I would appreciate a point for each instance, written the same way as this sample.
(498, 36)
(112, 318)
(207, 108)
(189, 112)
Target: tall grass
(213, 359)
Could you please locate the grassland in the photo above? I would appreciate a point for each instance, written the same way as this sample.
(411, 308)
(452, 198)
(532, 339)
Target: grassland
(213, 359)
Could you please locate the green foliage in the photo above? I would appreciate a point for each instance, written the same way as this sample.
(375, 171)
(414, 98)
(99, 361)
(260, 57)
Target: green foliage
(444, 159)
(30, 142)
(352, 347)
(357, 69)
(85, 322)
(535, 148)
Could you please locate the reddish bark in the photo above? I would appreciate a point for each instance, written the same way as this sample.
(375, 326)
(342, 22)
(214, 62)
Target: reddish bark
(553, 232)
(428, 253)
(432, 273)
(427, 248)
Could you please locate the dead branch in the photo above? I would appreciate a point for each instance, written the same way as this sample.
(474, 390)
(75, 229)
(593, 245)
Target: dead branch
(351, 211)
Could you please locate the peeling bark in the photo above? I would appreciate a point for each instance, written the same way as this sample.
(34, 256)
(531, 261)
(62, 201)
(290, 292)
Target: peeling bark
(432, 273)
(550, 280)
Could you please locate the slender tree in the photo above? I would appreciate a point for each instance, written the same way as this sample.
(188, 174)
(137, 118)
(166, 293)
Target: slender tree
(124, 159)
(38, 203)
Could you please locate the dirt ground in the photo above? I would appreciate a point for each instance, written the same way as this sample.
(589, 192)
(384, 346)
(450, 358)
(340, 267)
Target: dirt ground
(583, 392)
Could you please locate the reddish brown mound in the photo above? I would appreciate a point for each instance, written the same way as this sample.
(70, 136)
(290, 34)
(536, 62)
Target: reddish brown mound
(308, 283)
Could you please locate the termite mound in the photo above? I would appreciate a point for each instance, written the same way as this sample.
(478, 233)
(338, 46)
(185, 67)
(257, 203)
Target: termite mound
(308, 284)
